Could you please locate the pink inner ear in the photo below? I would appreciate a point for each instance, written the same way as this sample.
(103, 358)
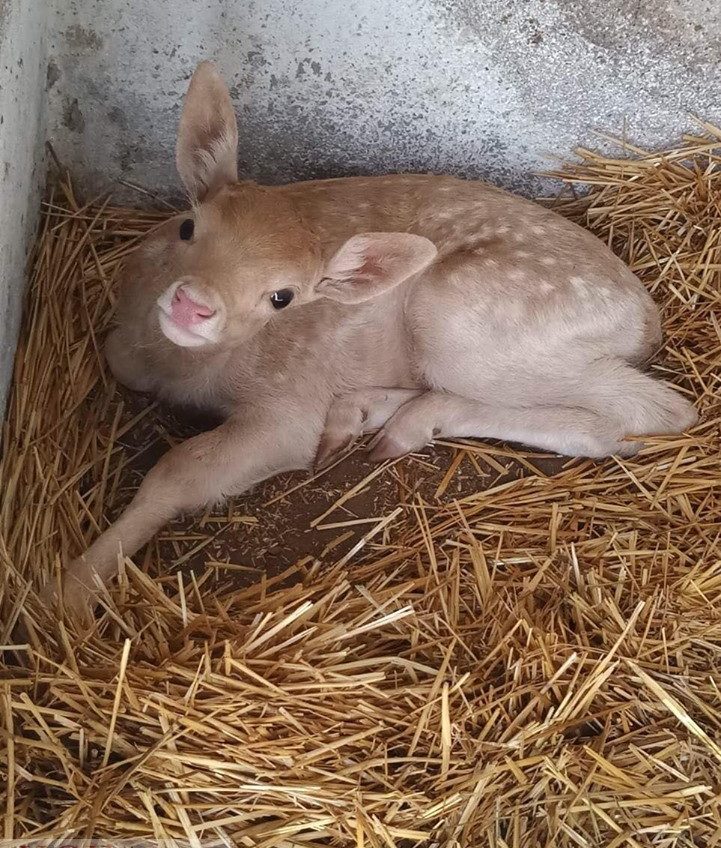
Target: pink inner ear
(371, 267)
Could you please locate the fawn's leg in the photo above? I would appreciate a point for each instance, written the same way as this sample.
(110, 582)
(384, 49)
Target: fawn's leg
(355, 413)
(198, 472)
(601, 410)
(640, 404)
(565, 430)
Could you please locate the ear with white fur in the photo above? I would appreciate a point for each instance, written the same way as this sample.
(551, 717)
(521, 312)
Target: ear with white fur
(207, 149)
(371, 263)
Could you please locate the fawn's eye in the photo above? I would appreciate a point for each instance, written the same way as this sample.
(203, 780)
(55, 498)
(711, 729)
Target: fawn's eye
(187, 228)
(281, 298)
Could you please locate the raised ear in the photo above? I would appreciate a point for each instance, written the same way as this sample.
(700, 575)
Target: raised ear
(371, 263)
(207, 149)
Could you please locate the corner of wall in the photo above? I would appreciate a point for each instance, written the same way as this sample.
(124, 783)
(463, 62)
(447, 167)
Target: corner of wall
(23, 32)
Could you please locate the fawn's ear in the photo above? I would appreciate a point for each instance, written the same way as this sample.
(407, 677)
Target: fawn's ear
(371, 263)
(207, 148)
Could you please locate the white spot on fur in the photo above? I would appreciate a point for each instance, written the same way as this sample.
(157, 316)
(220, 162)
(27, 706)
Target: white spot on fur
(549, 261)
(522, 254)
(580, 286)
(538, 231)
(512, 309)
(545, 288)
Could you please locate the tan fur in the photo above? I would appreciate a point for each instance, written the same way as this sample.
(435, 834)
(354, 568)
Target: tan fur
(424, 306)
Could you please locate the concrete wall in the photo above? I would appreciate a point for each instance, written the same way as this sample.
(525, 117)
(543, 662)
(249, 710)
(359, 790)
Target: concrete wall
(326, 87)
(22, 136)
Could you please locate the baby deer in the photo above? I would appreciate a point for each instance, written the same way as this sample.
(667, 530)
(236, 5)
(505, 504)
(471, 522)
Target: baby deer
(416, 306)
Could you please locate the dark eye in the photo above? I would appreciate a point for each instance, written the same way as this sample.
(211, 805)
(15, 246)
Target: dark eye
(187, 228)
(282, 298)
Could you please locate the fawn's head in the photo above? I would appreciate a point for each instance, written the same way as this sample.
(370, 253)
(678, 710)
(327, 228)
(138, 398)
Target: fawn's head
(242, 255)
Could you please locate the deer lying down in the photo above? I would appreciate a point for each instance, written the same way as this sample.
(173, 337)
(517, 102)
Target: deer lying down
(417, 306)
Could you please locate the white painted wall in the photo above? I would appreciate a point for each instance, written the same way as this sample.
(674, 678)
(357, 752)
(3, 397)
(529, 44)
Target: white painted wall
(22, 136)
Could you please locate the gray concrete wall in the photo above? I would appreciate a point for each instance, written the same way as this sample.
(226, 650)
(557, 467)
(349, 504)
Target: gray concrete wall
(495, 88)
(22, 136)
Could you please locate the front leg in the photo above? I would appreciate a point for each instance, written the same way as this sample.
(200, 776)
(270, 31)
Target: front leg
(198, 472)
(355, 413)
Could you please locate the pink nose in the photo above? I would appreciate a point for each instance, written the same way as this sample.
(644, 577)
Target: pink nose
(186, 311)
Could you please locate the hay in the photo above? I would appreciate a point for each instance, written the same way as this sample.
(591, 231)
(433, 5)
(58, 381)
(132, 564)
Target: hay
(529, 660)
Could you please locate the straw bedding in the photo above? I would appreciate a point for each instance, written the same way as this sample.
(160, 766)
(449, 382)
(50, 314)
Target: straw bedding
(510, 655)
